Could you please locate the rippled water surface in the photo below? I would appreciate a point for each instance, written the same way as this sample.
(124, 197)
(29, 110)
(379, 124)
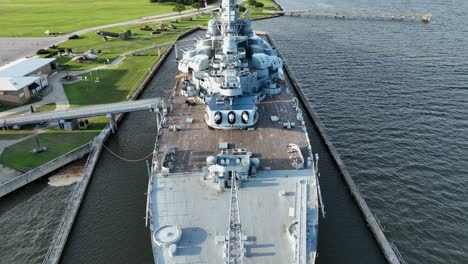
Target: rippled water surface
(28, 219)
(394, 99)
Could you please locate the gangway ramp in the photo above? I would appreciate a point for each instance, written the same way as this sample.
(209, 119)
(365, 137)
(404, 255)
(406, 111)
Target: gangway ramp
(82, 112)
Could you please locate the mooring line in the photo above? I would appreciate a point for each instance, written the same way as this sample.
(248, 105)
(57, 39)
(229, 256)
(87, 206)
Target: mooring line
(124, 159)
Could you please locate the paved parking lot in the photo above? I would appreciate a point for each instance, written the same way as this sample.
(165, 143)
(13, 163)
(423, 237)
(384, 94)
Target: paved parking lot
(14, 48)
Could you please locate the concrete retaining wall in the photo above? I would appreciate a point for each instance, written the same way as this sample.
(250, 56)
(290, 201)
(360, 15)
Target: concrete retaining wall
(366, 212)
(63, 231)
(44, 169)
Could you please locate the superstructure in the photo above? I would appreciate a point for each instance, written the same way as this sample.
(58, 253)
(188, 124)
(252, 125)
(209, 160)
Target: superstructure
(233, 178)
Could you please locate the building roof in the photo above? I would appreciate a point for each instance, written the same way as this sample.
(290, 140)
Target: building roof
(10, 84)
(23, 66)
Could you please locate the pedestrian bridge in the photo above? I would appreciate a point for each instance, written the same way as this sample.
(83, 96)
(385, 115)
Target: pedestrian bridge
(399, 16)
(82, 112)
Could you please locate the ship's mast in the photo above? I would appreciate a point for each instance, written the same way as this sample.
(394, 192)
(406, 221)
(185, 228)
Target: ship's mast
(229, 26)
(234, 239)
(229, 17)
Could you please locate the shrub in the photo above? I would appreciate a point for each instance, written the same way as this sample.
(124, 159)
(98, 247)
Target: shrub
(258, 4)
(74, 37)
(42, 51)
(197, 5)
(186, 18)
(242, 8)
(178, 7)
(251, 2)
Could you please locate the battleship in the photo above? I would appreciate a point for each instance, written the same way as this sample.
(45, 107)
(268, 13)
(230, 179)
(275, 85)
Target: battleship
(233, 177)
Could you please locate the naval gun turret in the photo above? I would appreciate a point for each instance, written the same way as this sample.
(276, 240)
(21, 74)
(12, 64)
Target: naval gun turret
(231, 69)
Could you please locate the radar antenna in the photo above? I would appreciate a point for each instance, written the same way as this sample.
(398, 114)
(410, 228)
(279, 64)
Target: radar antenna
(234, 239)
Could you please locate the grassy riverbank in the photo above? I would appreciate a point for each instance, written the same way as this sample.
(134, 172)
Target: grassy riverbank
(58, 142)
(261, 12)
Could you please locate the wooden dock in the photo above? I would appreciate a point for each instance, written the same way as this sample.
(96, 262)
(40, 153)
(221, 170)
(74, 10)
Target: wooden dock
(342, 14)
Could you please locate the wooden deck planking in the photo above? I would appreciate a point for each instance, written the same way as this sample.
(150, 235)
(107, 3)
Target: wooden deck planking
(268, 142)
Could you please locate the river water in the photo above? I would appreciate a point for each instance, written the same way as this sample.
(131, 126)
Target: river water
(392, 96)
(28, 220)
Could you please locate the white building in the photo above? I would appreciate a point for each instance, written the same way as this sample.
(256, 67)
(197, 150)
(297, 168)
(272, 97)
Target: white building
(21, 79)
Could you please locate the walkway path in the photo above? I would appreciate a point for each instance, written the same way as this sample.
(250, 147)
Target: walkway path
(57, 95)
(13, 48)
(148, 19)
(6, 143)
(7, 173)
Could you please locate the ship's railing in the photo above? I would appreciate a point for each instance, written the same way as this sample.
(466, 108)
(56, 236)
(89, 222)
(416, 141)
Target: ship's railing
(161, 118)
(397, 252)
(300, 250)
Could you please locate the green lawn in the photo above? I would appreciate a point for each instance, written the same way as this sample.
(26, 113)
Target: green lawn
(7, 107)
(116, 82)
(46, 107)
(111, 49)
(259, 12)
(34, 17)
(14, 134)
(58, 142)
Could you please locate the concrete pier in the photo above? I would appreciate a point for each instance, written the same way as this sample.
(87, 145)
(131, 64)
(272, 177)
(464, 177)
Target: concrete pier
(372, 222)
(62, 232)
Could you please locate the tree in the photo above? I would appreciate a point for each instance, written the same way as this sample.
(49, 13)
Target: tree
(251, 2)
(42, 51)
(178, 7)
(242, 8)
(258, 4)
(197, 5)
